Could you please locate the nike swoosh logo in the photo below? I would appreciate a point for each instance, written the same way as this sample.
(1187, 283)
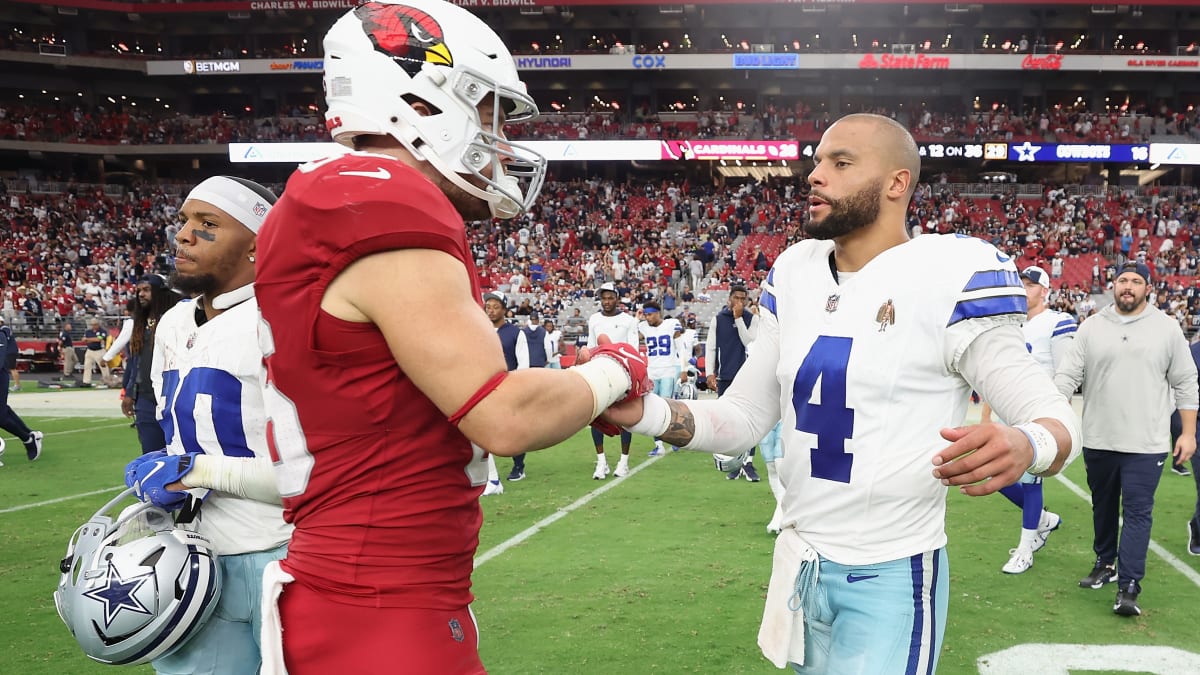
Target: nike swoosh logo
(157, 466)
(855, 578)
(380, 173)
(1162, 462)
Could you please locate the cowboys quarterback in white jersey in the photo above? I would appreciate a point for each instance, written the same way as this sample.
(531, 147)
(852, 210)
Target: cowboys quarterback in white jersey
(869, 345)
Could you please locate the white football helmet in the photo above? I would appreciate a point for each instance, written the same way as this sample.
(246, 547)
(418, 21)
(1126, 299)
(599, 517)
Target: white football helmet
(136, 588)
(727, 463)
(384, 54)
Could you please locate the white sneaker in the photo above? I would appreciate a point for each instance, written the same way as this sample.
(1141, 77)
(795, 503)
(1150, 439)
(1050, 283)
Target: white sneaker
(622, 469)
(1049, 523)
(601, 470)
(493, 488)
(1, 452)
(1021, 560)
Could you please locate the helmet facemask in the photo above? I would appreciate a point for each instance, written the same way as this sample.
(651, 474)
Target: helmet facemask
(516, 170)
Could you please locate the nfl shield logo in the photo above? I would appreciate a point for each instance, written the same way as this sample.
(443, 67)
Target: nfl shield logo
(260, 209)
(191, 340)
(831, 304)
(456, 630)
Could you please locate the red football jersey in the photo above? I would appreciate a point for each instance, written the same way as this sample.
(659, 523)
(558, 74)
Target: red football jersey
(373, 476)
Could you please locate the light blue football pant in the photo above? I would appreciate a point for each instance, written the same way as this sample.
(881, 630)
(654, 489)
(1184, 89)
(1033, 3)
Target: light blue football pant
(229, 643)
(665, 386)
(883, 619)
(769, 448)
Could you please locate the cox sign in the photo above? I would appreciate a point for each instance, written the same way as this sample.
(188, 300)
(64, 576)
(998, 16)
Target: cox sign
(649, 61)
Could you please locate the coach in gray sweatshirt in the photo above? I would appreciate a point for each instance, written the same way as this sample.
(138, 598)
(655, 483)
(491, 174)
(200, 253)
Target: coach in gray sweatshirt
(1130, 358)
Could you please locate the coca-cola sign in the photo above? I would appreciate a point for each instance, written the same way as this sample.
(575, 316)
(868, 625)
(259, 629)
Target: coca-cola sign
(1047, 62)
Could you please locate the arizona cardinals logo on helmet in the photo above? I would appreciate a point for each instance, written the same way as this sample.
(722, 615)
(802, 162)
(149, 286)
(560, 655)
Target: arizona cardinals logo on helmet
(410, 36)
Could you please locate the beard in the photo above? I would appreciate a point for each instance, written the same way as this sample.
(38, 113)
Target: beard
(1131, 305)
(470, 207)
(192, 285)
(848, 214)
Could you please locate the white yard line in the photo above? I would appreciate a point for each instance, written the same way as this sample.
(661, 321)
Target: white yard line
(1180, 566)
(48, 502)
(502, 547)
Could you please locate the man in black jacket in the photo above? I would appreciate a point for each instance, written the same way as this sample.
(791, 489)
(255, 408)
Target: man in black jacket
(10, 421)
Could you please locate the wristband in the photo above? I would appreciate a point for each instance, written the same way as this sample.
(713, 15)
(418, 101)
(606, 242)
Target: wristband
(656, 417)
(608, 381)
(1045, 448)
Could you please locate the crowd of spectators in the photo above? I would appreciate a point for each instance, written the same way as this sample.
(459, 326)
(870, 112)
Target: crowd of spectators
(73, 122)
(130, 125)
(305, 43)
(73, 254)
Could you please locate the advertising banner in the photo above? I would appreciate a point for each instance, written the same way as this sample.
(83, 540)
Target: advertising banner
(1175, 153)
(161, 6)
(775, 61)
(1078, 152)
(732, 149)
(554, 151)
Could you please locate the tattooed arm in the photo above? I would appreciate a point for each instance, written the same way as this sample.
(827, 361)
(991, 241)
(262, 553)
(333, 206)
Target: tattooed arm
(682, 426)
(733, 423)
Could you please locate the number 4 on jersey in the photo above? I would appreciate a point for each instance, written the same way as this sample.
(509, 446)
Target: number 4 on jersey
(830, 420)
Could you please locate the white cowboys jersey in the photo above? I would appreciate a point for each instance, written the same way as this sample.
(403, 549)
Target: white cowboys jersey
(866, 375)
(208, 381)
(621, 328)
(662, 354)
(1049, 333)
(686, 345)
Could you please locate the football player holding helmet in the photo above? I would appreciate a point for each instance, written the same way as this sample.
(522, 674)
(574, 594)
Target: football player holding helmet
(137, 587)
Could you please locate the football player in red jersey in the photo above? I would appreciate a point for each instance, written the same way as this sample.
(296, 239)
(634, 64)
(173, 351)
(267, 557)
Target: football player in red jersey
(380, 425)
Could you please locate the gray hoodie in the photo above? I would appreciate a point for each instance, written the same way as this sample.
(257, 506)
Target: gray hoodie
(1129, 367)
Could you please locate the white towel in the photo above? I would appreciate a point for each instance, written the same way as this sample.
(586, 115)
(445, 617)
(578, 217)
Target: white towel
(274, 579)
(781, 635)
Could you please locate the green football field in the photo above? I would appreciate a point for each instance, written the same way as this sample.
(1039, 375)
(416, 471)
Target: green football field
(664, 571)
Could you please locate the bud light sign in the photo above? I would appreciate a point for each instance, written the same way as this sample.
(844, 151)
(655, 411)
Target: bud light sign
(766, 61)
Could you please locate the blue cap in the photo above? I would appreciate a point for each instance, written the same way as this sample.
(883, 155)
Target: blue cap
(1136, 268)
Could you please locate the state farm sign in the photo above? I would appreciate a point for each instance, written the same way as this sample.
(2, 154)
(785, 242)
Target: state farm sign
(904, 62)
(1047, 62)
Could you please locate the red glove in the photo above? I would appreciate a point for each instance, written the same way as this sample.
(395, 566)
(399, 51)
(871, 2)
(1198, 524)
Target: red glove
(634, 364)
(605, 427)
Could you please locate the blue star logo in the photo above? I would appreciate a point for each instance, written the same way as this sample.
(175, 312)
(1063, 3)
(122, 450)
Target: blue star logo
(118, 593)
(1027, 152)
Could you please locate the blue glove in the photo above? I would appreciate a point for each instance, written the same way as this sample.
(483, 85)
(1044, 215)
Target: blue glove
(152, 479)
(132, 467)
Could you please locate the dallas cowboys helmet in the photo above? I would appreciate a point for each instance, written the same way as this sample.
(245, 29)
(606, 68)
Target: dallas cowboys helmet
(727, 463)
(135, 588)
